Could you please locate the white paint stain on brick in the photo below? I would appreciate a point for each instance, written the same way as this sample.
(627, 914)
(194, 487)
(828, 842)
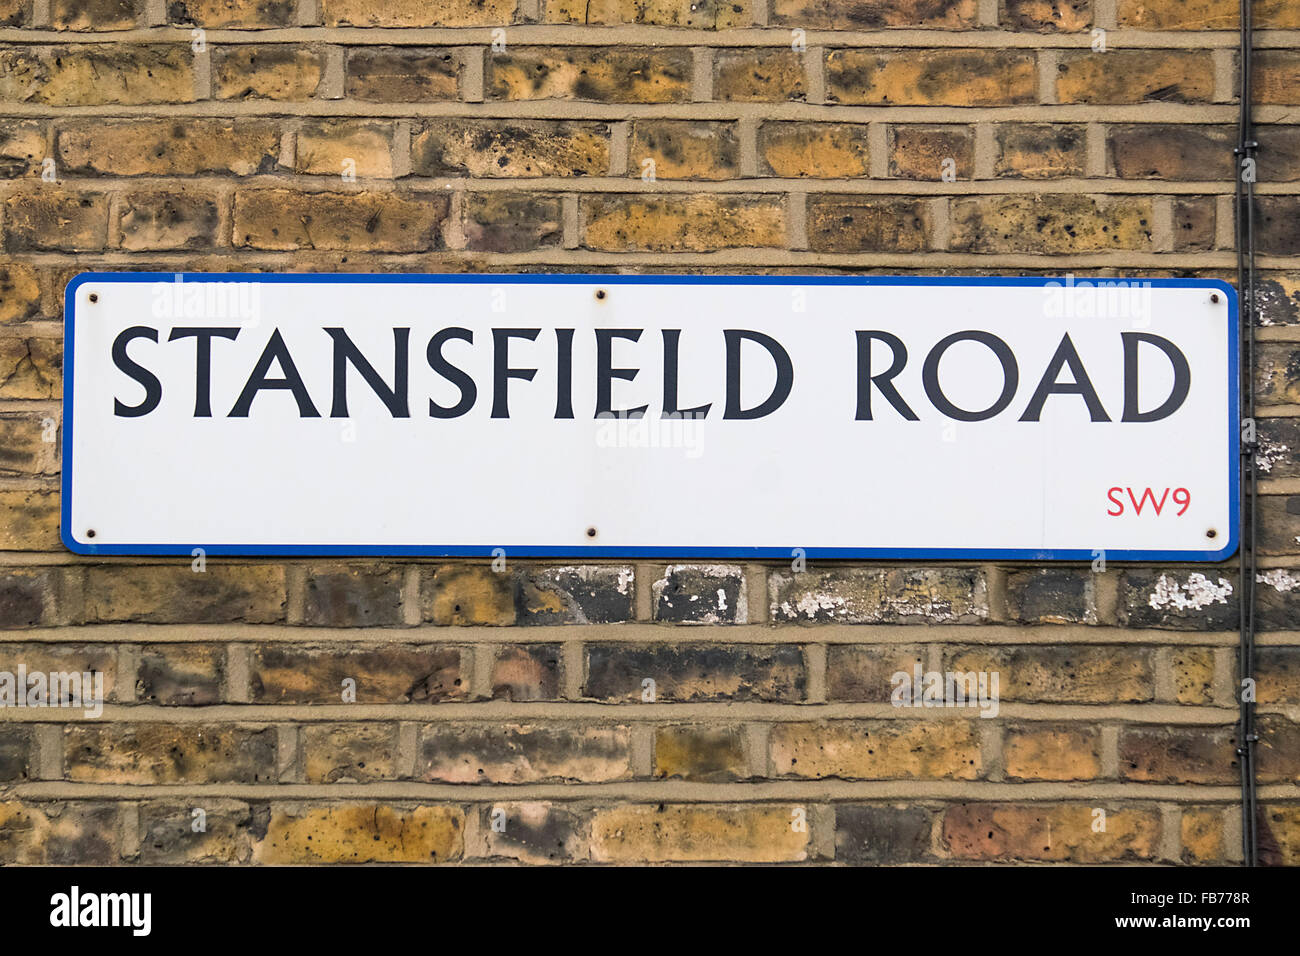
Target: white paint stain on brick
(1270, 452)
(1279, 579)
(1195, 593)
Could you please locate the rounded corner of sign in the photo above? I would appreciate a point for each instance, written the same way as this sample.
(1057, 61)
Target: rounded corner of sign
(1226, 287)
(72, 544)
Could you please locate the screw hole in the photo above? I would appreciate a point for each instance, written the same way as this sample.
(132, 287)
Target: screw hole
(1214, 297)
(600, 293)
(1211, 533)
(591, 532)
(94, 297)
(90, 533)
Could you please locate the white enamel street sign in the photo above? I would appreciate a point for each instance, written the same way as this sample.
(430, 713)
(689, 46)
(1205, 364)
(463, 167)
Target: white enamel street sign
(650, 416)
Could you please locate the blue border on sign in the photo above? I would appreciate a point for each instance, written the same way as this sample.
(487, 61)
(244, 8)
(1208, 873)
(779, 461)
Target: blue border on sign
(965, 554)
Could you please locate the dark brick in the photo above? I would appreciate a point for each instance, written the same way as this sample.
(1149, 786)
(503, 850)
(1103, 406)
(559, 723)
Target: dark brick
(867, 834)
(355, 597)
(575, 595)
(15, 753)
(865, 673)
(701, 594)
(527, 672)
(384, 674)
(512, 222)
(696, 672)
(1160, 151)
(1178, 598)
(185, 674)
(867, 224)
(1180, 755)
(1051, 596)
(534, 832)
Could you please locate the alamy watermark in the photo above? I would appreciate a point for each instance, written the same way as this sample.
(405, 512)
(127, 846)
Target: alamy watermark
(82, 690)
(923, 688)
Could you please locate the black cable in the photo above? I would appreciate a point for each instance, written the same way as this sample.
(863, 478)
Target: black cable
(1245, 238)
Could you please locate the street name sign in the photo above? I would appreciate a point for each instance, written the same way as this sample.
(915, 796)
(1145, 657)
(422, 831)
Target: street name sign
(652, 416)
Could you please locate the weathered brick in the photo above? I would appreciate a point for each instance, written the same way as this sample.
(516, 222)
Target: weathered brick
(169, 147)
(1178, 599)
(20, 293)
(98, 660)
(879, 596)
(22, 149)
(232, 13)
(1061, 832)
(26, 447)
(534, 832)
(1281, 144)
(1193, 669)
(334, 147)
(30, 368)
(1278, 525)
(1205, 14)
(1277, 373)
(1161, 151)
(931, 152)
(681, 149)
(92, 14)
(701, 594)
(606, 74)
(515, 149)
(168, 753)
(181, 674)
(1194, 223)
(419, 13)
(838, 223)
(93, 75)
(1279, 835)
(866, 673)
(763, 76)
(169, 833)
(1052, 752)
(1039, 150)
(64, 833)
(17, 760)
(175, 594)
(813, 150)
(1203, 835)
(1277, 225)
(698, 833)
(700, 752)
(517, 753)
(380, 74)
(29, 520)
(465, 594)
(695, 672)
(27, 597)
(56, 219)
(850, 15)
(1278, 751)
(266, 72)
(696, 14)
(383, 674)
(168, 219)
(1279, 447)
(361, 833)
(285, 219)
(1093, 674)
(877, 750)
(633, 223)
(1135, 76)
(1050, 224)
(349, 753)
(588, 594)
(1178, 754)
(1046, 16)
(1276, 77)
(355, 597)
(1051, 596)
(527, 672)
(1277, 671)
(920, 77)
(14, 13)
(870, 834)
(512, 222)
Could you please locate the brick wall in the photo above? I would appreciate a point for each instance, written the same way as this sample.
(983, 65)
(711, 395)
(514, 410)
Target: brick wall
(501, 715)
